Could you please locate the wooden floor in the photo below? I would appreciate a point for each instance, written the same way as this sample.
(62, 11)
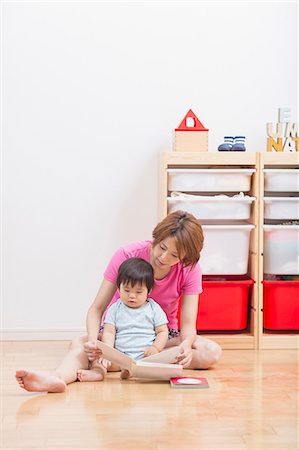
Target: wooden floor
(251, 404)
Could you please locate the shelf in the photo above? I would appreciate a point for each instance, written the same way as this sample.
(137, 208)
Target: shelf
(233, 158)
(233, 341)
(279, 341)
(272, 340)
(280, 158)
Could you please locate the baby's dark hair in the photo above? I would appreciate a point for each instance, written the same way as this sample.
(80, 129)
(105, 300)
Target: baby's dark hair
(136, 271)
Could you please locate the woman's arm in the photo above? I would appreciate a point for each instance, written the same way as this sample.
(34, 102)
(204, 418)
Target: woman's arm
(160, 341)
(188, 317)
(97, 308)
(94, 317)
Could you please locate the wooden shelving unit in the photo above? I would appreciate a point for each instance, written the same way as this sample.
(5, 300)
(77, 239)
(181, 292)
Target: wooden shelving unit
(254, 337)
(273, 160)
(242, 340)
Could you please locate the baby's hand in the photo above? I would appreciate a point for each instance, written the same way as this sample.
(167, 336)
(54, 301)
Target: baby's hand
(105, 363)
(152, 350)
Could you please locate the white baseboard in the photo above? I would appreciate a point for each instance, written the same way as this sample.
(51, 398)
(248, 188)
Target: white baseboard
(41, 335)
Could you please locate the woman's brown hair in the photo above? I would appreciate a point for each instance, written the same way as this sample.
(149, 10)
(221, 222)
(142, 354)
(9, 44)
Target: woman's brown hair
(187, 232)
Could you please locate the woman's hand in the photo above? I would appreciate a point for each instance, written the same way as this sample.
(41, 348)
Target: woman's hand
(185, 356)
(152, 350)
(92, 351)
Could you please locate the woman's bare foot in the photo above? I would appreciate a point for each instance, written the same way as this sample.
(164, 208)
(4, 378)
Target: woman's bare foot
(91, 374)
(39, 381)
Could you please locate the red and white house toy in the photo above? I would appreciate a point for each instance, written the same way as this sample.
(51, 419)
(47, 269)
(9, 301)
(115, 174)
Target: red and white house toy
(191, 135)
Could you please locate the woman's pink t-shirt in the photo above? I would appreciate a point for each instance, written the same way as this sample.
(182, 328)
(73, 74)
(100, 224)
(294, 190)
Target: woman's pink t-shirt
(166, 292)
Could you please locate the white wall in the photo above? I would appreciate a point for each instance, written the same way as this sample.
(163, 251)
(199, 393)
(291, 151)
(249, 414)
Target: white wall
(91, 94)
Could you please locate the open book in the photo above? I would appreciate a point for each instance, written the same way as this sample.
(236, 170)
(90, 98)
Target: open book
(156, 367)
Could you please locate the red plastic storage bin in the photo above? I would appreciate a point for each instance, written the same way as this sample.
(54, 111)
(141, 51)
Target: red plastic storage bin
(281, 305)
(223, 305)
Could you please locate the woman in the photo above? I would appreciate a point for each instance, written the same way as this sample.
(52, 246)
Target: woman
(173, 253)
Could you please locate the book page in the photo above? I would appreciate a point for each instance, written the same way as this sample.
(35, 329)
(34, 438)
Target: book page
(167, 356)
(115, 356)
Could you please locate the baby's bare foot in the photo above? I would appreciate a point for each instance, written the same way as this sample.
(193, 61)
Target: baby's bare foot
(91, 375)
(125, 374)
(39, 381)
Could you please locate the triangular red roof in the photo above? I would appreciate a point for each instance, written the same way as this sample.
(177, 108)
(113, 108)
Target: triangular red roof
(198, 126)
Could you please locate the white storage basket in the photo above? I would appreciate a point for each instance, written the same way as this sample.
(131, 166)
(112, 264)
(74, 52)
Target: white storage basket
(212, 208)
(281, 180)
(209, 180)
(281, 249)
(226, 249)
(281, 208)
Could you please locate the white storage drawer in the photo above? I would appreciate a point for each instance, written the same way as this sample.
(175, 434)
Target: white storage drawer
(281, 208)
(214, 207)
(281, 249)
(209, 180)
(226, 249)
(284, 180)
